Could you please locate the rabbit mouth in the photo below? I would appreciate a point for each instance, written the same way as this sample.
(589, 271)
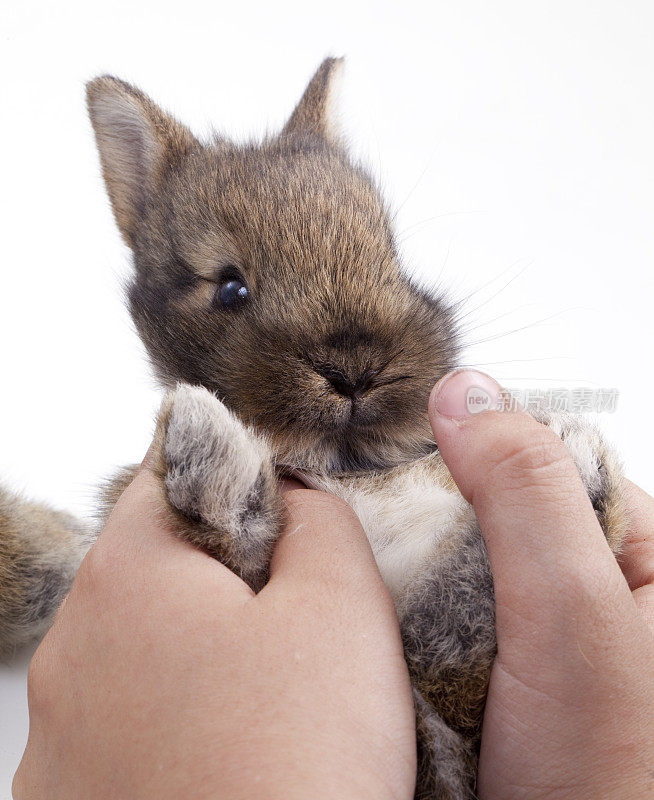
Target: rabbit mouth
(335, 434)
(313, 478)
(350, 454)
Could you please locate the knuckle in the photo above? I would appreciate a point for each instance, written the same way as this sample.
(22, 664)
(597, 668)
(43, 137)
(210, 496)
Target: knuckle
(302, 502)
(538, 459)
(95, 571)
(34, 674)
(38, 685)
(19, 783)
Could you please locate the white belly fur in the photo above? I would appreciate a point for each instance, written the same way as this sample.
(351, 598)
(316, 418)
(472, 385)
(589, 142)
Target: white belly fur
(406, 514)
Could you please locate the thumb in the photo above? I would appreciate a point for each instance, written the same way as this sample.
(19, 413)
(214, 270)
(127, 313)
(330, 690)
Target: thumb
(547, 551)
(323, 549)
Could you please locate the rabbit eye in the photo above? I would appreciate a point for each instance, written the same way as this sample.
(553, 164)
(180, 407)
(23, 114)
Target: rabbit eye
(231, 292)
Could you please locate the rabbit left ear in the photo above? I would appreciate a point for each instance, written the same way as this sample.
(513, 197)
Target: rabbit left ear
(313, 115)
(138, 142)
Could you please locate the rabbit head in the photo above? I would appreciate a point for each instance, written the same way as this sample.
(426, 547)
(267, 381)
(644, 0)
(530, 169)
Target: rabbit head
(268, 273)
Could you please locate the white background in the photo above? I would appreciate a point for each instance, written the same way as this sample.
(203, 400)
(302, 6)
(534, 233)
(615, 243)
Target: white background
(514, 137)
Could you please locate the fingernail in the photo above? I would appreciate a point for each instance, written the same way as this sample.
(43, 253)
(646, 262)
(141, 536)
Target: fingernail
(289, 484)
(465, 392)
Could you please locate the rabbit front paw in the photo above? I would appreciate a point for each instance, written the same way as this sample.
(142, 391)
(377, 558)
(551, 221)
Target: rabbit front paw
(600, 470)
(219, 474)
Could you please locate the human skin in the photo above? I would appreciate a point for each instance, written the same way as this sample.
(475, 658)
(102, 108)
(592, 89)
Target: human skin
(570, 708)
(164, 676)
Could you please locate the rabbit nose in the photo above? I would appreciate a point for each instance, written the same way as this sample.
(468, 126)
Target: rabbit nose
(346, 386)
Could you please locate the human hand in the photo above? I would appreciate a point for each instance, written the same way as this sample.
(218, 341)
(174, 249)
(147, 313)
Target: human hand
(164, 676)
(570, 708)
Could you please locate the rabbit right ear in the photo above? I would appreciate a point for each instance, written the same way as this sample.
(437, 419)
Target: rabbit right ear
(313, 115)
(137, 141)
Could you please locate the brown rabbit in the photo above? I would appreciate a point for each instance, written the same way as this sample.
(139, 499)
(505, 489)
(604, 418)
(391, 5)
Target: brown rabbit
(269, 293)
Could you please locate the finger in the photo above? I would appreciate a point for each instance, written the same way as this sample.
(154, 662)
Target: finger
(644, 599)
(323, 545)
(544, 542)
(637, 556)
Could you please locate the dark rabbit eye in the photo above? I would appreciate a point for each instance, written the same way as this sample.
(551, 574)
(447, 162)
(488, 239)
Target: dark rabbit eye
(232, 291)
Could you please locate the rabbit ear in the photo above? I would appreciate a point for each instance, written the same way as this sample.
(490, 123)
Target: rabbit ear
(137, 141)
(313, 115)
